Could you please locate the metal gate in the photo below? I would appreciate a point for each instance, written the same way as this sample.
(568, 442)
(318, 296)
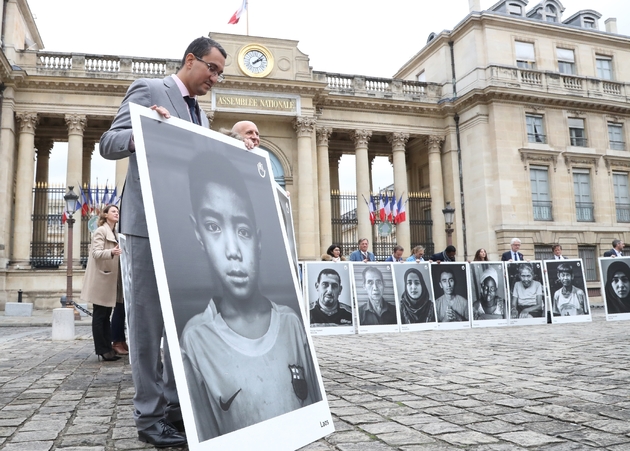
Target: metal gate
(345, 224)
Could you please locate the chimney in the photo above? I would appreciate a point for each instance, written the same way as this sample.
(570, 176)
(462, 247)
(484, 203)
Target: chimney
(474, 5)
(611, 25)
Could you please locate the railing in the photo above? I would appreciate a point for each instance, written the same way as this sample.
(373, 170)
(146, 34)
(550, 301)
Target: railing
(339, 83)
(102, 65)
(542, 210)
(532, 78)
(617, 145)
(584, 211)
(382, 87)
(148, 67)
(611, 88)
(573, 83)
(536, 138)
(579, 142)
(623, 212)
(55, 62)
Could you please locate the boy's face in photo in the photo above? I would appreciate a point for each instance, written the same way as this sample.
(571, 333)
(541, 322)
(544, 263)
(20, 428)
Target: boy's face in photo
(447, 283)
(566, 278)
(225, 228)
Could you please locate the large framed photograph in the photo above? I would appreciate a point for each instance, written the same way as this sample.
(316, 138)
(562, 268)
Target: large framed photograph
(245, 367)
(375, 295)
(526, 293)
(566, 290)
(452, 295)
(615, 277)
(329, 296)
(489, 294)
(415, 301)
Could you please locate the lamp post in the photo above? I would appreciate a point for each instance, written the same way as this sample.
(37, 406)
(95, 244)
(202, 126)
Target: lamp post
(71, 206)
(449, 215)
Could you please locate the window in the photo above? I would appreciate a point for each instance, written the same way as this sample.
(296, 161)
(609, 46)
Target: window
(543, 252)
(589, 22)
(604, 67)
(582, 190)
(566, 61)
(615, 136)
(514, 9)
(535, 129)
(541, 202)
(587, 254)
(550, 14)
(622, 200)
(421, 76)
(577, 132)
(525, 57)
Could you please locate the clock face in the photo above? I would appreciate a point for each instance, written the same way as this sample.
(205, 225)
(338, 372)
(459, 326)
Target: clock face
(255, 60)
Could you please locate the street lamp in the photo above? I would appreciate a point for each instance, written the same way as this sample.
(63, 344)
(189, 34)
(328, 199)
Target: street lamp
(71, 206)
(449, 215)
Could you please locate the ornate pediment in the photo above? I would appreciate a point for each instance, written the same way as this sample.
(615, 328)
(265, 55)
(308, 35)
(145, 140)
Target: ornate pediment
(573, 159)
(535, 156)
(617, 163)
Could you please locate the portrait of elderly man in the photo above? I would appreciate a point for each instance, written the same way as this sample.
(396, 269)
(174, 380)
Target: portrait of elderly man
(376, 311)
(328, 311)
(490, 305)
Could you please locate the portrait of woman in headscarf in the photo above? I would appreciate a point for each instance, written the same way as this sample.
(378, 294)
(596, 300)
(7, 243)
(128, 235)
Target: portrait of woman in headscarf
(416, 305)
(618, 288)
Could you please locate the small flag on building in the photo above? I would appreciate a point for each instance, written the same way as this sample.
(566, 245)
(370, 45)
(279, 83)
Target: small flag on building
(237, 15)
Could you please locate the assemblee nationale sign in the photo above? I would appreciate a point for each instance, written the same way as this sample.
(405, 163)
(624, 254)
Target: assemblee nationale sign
(255, 102)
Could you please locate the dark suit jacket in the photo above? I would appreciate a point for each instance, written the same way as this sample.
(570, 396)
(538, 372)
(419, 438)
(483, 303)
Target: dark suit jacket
(610, 253)
(507, 256)
(115, 143)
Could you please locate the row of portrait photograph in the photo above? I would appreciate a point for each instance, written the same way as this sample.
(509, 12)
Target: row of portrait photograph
(345, 298)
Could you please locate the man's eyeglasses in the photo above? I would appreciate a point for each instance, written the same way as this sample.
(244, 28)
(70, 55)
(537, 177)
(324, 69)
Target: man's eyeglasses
(212, 69)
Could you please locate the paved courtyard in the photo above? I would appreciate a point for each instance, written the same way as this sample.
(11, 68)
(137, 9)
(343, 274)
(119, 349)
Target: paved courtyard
(547, 387)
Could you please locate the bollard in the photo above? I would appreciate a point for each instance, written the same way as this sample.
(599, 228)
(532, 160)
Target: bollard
(20, 295)
(63, 324)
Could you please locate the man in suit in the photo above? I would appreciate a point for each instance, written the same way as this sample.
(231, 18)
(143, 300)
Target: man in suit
(617, 249)
(513, 255)
(397, 254)
(557, 252)
(156, 405)
(362, 254)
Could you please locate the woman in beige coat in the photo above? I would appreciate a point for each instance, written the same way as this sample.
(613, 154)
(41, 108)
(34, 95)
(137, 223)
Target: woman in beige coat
(100, 285)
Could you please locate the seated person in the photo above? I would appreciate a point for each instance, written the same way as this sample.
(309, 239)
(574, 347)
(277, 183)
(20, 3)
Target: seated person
(527, 295)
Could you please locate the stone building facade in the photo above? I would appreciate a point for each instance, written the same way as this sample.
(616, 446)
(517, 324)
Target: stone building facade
(517, 117)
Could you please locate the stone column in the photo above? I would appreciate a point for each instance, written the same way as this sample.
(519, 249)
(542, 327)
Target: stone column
(361, 138)
(40, 207)
(333, 167)
(7, 172)
(398, 142)
(307, 242)
(76, 126)
(86, 170)
(24, 189)
(436, 189)
(323, 168)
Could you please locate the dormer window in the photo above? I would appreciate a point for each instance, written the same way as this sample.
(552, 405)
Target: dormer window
(589, 22)
(551, 15)
(514, 9)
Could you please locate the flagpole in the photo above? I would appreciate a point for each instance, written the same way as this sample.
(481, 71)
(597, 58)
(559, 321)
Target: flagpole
(247, 11)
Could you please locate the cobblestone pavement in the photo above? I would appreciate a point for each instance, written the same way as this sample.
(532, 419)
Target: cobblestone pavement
(547, 387)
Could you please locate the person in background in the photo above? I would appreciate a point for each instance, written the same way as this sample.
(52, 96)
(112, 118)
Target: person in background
(447, 255)
(333, 254)
(101, 283)
(417, 254)
(557, 252)
(513, 255)
(362, 254)
(617, 249)
(481, 255)
(397, 254)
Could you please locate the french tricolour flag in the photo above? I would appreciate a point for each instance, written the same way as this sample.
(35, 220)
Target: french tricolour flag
(237, 15)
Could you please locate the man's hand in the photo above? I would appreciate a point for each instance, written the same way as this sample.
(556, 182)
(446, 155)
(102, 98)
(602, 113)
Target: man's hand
(161, 111)
(249, 144)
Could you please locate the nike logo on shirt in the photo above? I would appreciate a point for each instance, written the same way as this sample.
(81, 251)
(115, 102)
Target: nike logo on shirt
(225, 406)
